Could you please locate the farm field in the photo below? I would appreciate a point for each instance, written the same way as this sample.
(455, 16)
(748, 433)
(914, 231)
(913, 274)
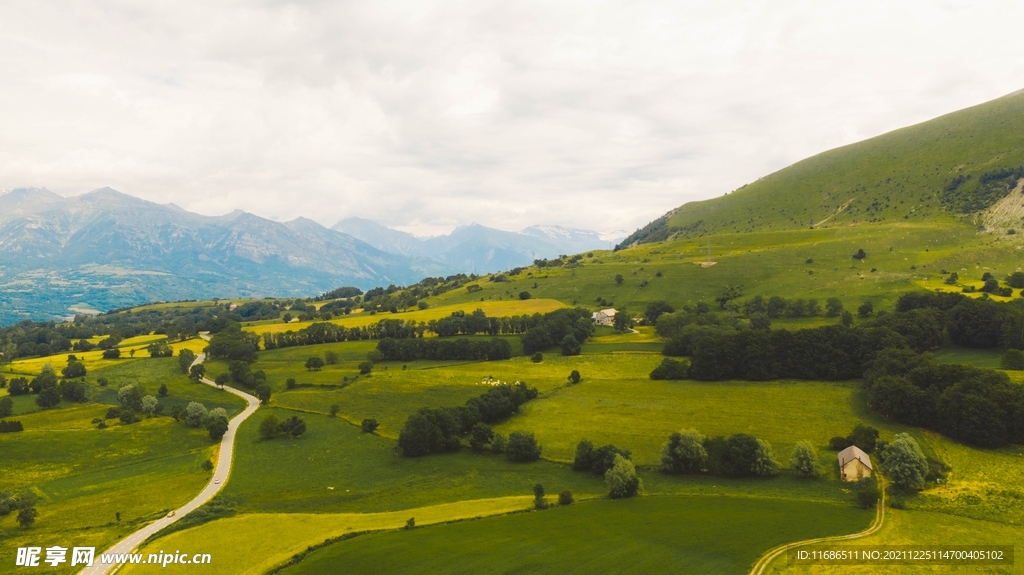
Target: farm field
(668, 534)
(294, 532)
(491, 308)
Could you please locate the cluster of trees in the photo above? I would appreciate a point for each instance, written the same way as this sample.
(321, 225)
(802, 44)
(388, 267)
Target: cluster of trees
(672, 369)
(440, 349)
(233, 344)
(904, 463)
(611, 462)
(825, 353)
(135, 401)
(965, 196)
(778, 307)
(11, 426)
(739, 455)
(6, 406)
(568, 328)
(459, 323)
(863, 436)
(979, 323)
(49, 389)
(24, 503)
(978, 406)
(272, 427)
(437, 430)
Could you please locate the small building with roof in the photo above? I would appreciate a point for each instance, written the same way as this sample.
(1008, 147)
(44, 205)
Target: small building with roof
(854, 464)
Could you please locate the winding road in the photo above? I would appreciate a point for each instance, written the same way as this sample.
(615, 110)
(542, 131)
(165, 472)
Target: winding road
(217, 482)
(773, 553)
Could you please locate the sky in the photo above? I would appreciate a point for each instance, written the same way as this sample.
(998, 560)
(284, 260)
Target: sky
(428, 115)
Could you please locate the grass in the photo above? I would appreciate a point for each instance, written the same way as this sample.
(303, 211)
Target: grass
(617, 403)
(294, 532)
(491, 308)
(970, 356)
(921, 528)
(83, 475)
(93, 360)
(367, 476)
(645, 535)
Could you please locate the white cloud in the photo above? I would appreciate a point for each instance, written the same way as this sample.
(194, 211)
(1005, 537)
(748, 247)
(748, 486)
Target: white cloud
(429, 115)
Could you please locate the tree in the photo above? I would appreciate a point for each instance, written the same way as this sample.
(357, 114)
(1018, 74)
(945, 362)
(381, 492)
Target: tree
(126, 416)
(765, 464)
(269, 426)
(538, 497)
(619, 279)
(197, 372)
(48, 398)
(369, 425)
(570, 346)
(294, 426)
(656, 309)
(760, 321)
(1012, 359)
(186, 357)
(866, 308)
(671, 369)
(410, 524)
(574, 377)
(864, 437)
(524, 295)
(6, 406)
(149, 404)
(334, 409)
(622, 479)
(162, 391)
(314, 363)
(498, 443)
(565, 498)
(27, 516)
(860, 255)
(522, 446)
(331, 357)
(833, 307)
(262, 392)
(952, 279)
(290, 383)
(217, 426)
(847, 319)
(804, 461)
(130, 396)
(195, 414)
(365, 367)
(222, 379)
(866, 492)
(537, 357)
(112, 353)
(75, 369)
(684, 453)
(904, 462)
(1016, 280)
(480, 435)
(622, 321)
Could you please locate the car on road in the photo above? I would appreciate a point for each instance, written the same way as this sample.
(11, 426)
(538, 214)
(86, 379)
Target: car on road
(216, 481)
(171, 514)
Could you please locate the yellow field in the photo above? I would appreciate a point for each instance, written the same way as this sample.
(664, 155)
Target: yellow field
(491, 308)
(281, 535)
(939, 285)
(93, 360)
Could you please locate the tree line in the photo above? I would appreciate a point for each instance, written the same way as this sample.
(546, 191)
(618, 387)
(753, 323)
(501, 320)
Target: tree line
(978, 406)
(439, 430)
(444, 349)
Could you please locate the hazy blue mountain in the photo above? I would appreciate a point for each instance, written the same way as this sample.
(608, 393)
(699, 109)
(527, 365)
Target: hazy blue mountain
(476, 248)
(382, 238)
(105, 249)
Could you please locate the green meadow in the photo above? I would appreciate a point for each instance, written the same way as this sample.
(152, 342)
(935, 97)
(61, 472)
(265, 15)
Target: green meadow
(667, 534)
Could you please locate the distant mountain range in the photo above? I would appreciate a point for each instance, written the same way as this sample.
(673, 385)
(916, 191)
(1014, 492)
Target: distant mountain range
(476, 248)
(105, 249)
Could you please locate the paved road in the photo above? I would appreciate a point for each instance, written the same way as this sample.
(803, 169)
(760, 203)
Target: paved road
(221, 472)
(771, 554)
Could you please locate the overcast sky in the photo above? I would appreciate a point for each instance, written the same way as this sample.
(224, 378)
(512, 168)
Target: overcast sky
(427, 115)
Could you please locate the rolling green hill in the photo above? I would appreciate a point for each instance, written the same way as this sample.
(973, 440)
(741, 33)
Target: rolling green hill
(930, 172)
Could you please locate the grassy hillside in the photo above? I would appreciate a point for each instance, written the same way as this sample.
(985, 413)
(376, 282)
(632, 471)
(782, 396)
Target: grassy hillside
(899, 176)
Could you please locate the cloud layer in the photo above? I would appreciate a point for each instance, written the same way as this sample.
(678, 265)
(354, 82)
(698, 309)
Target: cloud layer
(423, 116)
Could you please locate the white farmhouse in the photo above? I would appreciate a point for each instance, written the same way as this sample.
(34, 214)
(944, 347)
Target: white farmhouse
(854, 464)
(604, 317)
